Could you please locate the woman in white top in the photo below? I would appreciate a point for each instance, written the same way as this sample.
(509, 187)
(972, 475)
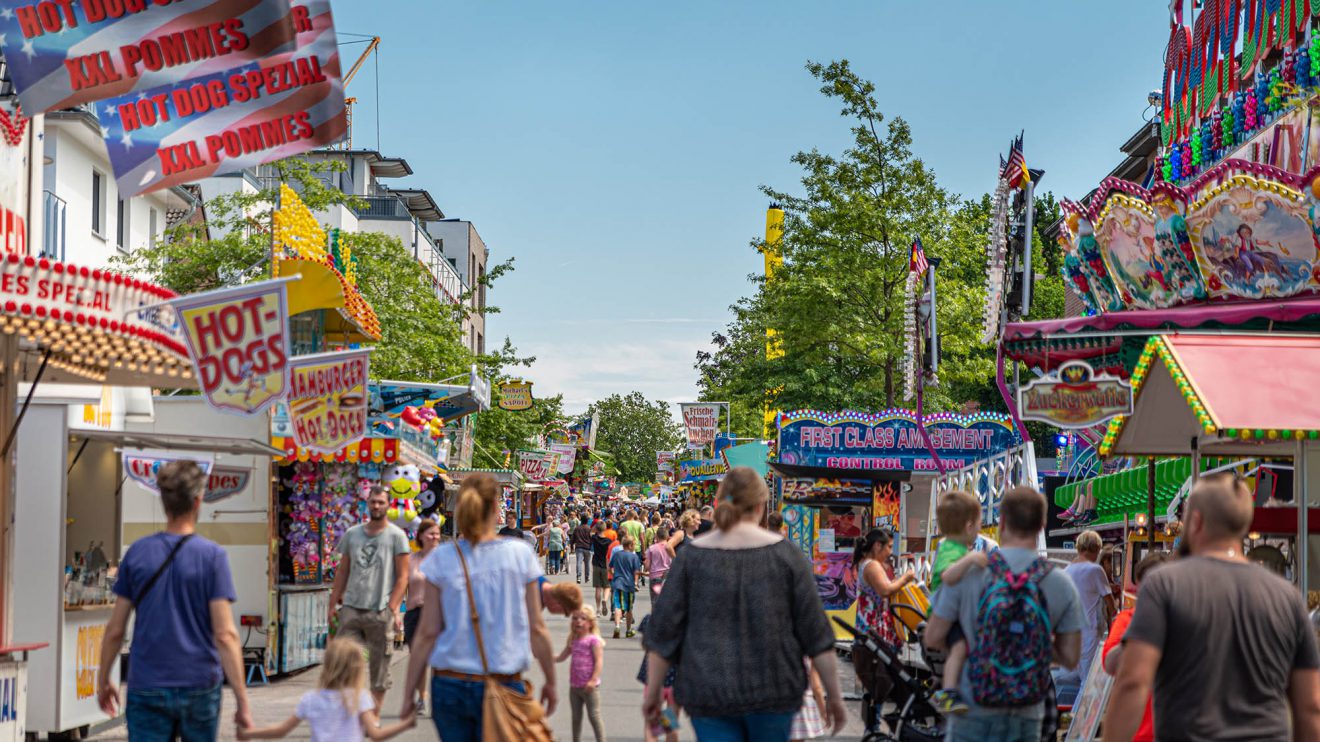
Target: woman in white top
(505, 586)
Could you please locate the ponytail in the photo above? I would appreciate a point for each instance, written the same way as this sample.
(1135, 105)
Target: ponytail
(741, 492)
(865, 544)
(478, 498)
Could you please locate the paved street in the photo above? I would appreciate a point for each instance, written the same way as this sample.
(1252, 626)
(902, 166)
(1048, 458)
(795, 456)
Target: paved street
(621, 700)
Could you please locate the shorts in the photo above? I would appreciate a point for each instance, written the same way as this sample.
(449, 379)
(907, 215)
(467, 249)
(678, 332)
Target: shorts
(374, 630)
(955, 636)
(410, 620)
(623, 600)
(599, 578)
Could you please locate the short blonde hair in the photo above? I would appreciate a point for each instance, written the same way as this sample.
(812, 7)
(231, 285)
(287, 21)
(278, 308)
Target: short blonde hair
(1089, 542)
(955, 510)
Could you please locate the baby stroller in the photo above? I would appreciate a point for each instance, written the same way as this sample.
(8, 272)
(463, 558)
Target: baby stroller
(913, 717)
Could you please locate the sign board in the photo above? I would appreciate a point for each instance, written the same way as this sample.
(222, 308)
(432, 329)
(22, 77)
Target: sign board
(535, 466)
(80, 658)
(14, 202)
(229, 118)
(1074, 396)
(1091, 700)
(388, 399)
(664, 460)
(13, 701)
(327, 400)
(237, 338)
(701, 470)
(567, 457)
(702, 420)
(516, 396)
(62, 54)
(222, 482)
(890, 440)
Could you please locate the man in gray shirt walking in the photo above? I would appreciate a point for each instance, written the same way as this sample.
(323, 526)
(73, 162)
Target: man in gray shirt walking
(371, 580)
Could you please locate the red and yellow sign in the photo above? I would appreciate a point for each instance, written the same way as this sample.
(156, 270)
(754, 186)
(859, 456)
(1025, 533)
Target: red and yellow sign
(237, 338)
(328, 399)
(516, 396)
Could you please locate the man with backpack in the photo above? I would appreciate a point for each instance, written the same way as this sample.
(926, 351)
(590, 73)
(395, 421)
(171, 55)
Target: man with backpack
(1018, 615)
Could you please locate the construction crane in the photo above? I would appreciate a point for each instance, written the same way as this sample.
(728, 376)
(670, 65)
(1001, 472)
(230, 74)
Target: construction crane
(348, 102)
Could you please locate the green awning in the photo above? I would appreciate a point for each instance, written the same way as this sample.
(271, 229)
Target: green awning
(1124, 492)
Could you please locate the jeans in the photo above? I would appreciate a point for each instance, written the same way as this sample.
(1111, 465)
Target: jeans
(587, 699)
(456, 708)
(998, 728)
(168, 714)
(583, 563)
(749, 728)
(552, 561)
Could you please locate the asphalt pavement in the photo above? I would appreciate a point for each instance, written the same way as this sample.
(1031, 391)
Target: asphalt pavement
(621, 694)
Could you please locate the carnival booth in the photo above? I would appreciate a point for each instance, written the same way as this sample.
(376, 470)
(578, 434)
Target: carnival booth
(318, 497)
(510, 481)
(840, 474)
(698, 479)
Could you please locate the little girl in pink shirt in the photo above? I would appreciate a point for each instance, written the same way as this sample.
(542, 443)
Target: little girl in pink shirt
(588, 652)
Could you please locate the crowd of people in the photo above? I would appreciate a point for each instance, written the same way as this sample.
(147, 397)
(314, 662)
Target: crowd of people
(737, 640)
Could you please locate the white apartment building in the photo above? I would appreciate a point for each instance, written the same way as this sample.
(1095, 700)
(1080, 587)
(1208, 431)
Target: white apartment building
(85, 221)
(466, 252)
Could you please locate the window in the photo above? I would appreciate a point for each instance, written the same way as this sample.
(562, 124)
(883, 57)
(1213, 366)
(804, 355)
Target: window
(151, 227)
(121, 225)
(481, 288)
(481, 344)
(98, 202)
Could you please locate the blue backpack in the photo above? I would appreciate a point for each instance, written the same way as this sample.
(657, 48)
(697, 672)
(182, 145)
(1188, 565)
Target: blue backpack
(1010, 665)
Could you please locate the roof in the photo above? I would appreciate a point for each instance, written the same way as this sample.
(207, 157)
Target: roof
(381, 166)
(419, 203)
(1232, 394)
(1187, 316)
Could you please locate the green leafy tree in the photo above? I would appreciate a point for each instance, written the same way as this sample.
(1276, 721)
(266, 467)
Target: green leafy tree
(632, 429)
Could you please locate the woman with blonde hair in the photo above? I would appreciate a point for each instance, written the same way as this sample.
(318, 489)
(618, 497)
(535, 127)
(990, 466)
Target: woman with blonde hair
(502, 577)
(340, 709)
(739, 670)
(688, 523)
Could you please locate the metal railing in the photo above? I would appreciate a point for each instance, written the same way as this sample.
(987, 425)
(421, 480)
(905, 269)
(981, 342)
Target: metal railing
(54, 218)
(381, 207)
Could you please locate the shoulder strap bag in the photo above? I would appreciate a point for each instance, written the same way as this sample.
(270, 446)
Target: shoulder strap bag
(137, 601)
(506, 714)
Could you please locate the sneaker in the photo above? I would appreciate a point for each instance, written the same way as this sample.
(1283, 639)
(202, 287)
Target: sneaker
(421, 708)
(1086, 518)
(948, 701)
(629, 635)
(1068, 515)
(616, 633)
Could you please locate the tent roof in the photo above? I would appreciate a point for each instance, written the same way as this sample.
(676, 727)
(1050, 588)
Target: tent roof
(1234, 394)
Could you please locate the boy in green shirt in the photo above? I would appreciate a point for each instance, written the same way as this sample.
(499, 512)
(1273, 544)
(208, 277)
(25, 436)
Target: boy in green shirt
(959, 517)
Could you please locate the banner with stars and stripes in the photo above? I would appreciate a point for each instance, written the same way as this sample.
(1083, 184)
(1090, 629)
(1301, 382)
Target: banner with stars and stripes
(62, 54)
(229, 121)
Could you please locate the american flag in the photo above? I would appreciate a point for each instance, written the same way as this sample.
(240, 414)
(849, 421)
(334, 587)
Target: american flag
(133, 154)
(1015, 170)
(44, 82)
(918, 263)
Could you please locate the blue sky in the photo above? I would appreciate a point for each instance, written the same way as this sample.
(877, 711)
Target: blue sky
(615, 148)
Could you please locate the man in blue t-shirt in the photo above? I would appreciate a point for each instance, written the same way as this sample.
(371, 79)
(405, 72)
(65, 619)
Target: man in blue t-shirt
(625, 567)
(184, 637)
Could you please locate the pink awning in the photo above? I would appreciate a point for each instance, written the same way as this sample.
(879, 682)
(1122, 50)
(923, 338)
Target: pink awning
(1257, 382)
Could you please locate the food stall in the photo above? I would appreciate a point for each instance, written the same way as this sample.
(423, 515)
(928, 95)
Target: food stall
(840, 474)
(317, 497)
(698, 479)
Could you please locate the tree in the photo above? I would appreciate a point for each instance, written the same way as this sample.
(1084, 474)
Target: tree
(837, 304)
(632, 429)
(504, 430)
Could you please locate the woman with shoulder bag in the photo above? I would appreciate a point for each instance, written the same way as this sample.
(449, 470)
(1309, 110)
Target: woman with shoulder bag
(481, 624)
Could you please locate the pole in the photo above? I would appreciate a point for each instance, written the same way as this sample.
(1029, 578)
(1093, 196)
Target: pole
(1300, 473)
(1027, 275)
(934, 328)
(1150, 503)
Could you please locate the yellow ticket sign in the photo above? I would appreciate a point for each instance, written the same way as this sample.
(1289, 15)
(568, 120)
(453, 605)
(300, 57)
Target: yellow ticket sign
(516, 396)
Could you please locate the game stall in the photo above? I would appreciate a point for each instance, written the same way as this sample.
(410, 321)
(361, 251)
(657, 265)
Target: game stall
(317, 497)
(699, 478)
(839, 474)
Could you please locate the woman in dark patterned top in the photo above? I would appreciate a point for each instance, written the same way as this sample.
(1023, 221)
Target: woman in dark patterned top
(738, 613)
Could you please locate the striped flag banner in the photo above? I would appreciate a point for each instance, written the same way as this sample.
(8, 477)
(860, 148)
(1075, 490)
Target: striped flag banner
(232, 120)
(62, 54)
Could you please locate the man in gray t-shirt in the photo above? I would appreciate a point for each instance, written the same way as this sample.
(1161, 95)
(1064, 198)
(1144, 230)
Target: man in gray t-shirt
(371, 580)
(1225, 644)
(1022, 516)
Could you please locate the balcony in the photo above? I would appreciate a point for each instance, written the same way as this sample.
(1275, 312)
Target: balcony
(382, 207)
(52, 238)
